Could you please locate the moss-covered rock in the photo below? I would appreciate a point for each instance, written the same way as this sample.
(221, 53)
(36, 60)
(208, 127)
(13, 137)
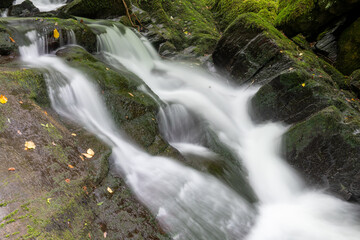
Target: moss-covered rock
(53, 193)
(24, 9)
(349, 49)
(251, 44)
(7, 46)
(96, 8)
(310, 17)
(355, 82)
(226, 11)
(183, 23)
(133, 110)
(325, 148)
(6, 3)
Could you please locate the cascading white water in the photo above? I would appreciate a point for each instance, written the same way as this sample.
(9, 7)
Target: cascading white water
(287, 210)
(45, 5)
(188, 203)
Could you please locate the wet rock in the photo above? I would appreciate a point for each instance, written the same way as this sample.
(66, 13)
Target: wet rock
(327, 41)
(53, 193)
(7, 46)
(167, 49)
(355, 82)
(349, 49)
(96, 8)
(252, 50)
(311, 17)
(24, 9)
(297, 87)
(133, 110)
(6, 3)
(325, 148)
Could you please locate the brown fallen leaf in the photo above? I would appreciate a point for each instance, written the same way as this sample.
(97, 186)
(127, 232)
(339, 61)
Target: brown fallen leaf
(67, 180)
(131, 94)
(29, 145)
(70, 166)
(82, 158)
(21, 102)
(11, 169)
(11, 39)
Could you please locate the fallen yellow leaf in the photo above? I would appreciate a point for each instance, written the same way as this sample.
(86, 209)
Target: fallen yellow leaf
(70, 166)
(56, 34)
(73, 134)
(29, 145)
(48, 200)
(82, 158)
(3, 99)
(11, 39)
(131, 94)
(110, 190)
(303, 85)
(11, 169)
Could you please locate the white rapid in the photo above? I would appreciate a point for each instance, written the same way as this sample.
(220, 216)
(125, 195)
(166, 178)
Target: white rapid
(287, 209)
(191, 204)
(45, 5)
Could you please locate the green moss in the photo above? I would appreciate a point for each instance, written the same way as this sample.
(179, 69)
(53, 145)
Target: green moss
(11, 215)
(227, 11)
(348, 58)
(290, 10)
(183, 23)
(32, 82)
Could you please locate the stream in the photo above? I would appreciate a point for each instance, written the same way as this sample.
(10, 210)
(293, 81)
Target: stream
(188, 203)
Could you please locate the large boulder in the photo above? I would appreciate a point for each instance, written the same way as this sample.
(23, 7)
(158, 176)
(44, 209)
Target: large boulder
(24, 9)
(311, 17)
(349, 49)
(227, 11)
(295, 87)
(51, 193)
(96, 8)
(325, 148)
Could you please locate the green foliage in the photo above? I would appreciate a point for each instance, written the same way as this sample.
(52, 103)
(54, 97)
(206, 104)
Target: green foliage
(227, 11)
(289, 10)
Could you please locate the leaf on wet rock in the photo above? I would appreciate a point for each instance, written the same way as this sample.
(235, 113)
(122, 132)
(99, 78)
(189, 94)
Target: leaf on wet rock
(56, 34)
(67, 180)
(18, 132)
(70, 166)
(89, 153)
(3, 99)
(73, 134)
(11, 169)
(12, 40)
(131, 94)
(29, 145)
(110, 190)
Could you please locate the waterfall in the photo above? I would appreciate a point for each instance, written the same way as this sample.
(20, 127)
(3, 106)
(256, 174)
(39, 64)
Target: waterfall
(188, 203)
(45, 5)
